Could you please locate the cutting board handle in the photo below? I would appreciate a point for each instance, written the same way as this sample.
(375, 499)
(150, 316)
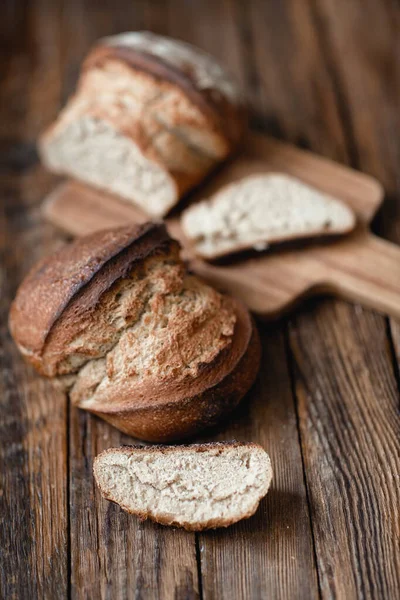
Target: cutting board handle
(367, 272)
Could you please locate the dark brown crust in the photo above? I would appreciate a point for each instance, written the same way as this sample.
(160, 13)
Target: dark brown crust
(71, 283)
(99, 259)
(166, 448)
(230, 120)
(176, 414)
(212, 523)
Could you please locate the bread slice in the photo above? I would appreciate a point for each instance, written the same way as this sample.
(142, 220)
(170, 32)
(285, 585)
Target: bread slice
(150, 118)
(260, 210)
(197, 487)
(143, 344)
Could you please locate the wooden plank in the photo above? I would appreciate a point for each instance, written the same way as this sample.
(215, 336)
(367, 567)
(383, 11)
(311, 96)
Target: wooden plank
(33, 522)
(369, 84)
(33, 452)
(366, 70)
(33, 501)
(345, 384)
(295, 95)
(344, 447)
(113, 555)
(209, 25)
(271, 554)
(350, 431)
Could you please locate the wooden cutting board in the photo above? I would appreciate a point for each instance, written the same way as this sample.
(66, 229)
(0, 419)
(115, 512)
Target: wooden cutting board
(360, 267)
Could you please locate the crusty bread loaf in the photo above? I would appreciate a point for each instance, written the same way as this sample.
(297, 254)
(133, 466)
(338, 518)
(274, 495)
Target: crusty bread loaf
(151, 116)
(142, 343)
(197, 487)
(260, 210)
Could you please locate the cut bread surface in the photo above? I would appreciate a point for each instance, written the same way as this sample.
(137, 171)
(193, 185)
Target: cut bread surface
(145, 123)
(260, 210)
(93, 151)
(197, 486)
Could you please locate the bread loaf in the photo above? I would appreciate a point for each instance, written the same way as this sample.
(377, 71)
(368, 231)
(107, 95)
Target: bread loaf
(260, 210)
(197, 487)
(142, 343)
(150, 118)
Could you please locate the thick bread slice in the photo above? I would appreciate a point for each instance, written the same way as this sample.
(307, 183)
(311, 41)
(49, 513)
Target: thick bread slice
(142, 343)
(151, 117)
(197, 487)
(95, 152)
(260, 210)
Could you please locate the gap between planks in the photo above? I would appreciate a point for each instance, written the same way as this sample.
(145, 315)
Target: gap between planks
(291, 371)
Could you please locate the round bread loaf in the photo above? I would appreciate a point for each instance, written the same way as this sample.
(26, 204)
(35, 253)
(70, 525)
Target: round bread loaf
(142, 343)
(150, 118)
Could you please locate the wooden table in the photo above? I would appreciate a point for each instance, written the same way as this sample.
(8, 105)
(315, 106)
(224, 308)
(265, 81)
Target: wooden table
(322, 74)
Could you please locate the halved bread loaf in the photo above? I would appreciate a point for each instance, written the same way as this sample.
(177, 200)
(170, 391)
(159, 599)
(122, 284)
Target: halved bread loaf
(150, 118)
(197, 487)
(142, 343)
(260, 210)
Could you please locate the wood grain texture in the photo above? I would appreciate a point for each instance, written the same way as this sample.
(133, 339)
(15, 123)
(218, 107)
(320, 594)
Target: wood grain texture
(294, 93)
(370, 100)
(350, 428)
(271, 554)
(322, 74)
(114, 555)
(348, 399)
(368, 89)
(356, 555)
(33, 450)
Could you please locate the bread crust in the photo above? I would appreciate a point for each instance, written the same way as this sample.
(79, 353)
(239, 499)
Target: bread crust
(80, 272)
(178, 412)
(67, 288)
(180, 128)
(164, 520)
(222, 114)
(182, 177)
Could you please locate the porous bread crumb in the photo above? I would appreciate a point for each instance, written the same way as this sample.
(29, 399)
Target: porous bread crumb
(169, 344)
(260, 210)
(93, 151)
(149, 109)
(133, 135)
(159, 325)
(133, 337)
(195, 486)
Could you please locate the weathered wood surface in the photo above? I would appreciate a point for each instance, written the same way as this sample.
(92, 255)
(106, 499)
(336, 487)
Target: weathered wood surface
(33, 416)
(270, 555)
(322, 74)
